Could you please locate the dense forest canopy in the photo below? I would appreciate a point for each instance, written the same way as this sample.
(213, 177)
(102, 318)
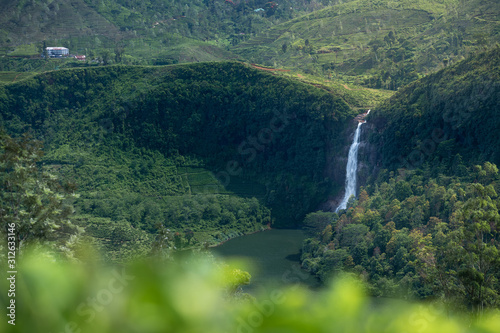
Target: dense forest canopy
(426, 226)
(454, 111)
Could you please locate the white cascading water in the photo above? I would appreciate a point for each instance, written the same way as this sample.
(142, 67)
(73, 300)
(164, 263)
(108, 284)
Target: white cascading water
(351, 169)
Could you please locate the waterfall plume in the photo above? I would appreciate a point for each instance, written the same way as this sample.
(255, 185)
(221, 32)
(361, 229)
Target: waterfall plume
(351, 169)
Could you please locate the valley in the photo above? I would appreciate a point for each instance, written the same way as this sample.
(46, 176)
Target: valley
(206, 149)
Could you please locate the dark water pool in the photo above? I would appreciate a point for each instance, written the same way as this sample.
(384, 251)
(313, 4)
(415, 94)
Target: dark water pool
(275, 257)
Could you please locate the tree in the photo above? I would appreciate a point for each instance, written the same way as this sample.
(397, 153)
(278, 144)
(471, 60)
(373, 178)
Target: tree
(119, 50)
(161, 246)
(326, 234)
(188, 234)
(34, 203)
(480, 247)
(90, 54)
(105, 57)
(390, 38)
(234, 278)
(353, 234)
(316, 222)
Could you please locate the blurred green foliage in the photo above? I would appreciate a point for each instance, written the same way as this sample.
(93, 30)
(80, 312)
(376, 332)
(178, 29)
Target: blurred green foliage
(194, 295)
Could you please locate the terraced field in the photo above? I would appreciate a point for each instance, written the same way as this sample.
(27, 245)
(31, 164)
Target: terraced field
(203, 181)
(8, 77)
(381, 45)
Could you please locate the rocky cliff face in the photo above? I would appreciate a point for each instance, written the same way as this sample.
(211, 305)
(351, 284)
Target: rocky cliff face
(336, 165)
(368, 158)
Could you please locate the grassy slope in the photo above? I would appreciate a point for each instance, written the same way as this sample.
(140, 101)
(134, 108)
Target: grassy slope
(357, 97)
(348, 39)
(34, 21)
(158, 32)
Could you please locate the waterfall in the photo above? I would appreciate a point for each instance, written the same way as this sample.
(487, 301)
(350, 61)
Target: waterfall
(351, 170)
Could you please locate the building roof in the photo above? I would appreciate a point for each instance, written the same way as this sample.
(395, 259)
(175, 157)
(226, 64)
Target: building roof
(56, 48)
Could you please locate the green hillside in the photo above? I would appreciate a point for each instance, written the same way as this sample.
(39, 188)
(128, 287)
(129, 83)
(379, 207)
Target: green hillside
(24, 22)
(453, 111)
(136, 32)
(193, 122)
(209, 147)
(427, 224)
(378, 44)
(383, 45)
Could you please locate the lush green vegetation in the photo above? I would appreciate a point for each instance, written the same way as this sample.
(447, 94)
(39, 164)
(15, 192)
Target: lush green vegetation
(357, 97)
(137, 32)
(451, 111)
(426, 227)
(203, 147)
(378, 44)
(201, 295)
(144, 156)
(127, 19)
(365, 42)
(9, 77)
(34, 202)
(418, 234)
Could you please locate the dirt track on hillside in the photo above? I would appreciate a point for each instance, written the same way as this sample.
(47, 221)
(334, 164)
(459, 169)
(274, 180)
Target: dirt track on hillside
(269, 69)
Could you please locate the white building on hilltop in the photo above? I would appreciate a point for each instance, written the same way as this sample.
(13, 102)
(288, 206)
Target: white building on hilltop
(57, 52)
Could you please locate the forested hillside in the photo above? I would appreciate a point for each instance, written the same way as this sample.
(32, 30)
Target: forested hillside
(24, 21)
(427, 225)
(454, 111)
(203, 147)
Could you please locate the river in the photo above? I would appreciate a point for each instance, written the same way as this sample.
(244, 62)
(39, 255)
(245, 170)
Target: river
(274, 256)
